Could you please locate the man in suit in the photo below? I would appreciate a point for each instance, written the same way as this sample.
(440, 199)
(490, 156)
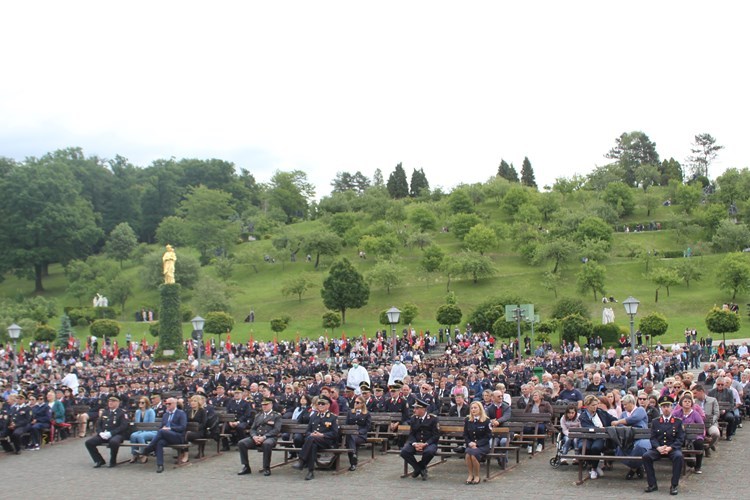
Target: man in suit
(423, 438)
(667, 436)
(263, 434)
(711, 410)
(18, 424)
(174, 425)
(110, 429)
(322, 432)
(217, 378)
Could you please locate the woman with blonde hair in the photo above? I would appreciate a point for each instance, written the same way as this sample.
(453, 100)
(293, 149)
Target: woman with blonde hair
(477, 436)
(360, 417)
(196, 413)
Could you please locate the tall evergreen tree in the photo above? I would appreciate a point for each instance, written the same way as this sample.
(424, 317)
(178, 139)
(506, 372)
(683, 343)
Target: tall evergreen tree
(418, 183)
(397, 185)
(507, 172)
(527, 173)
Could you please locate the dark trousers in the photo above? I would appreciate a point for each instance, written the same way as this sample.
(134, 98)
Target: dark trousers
(17, 435)
(652, 456)
(36, 432)
(595, 447)
(352, 442)
(163, 438)
(310, 450)
(731, 421)
(249, 444)
(114, 445)
(428, 453)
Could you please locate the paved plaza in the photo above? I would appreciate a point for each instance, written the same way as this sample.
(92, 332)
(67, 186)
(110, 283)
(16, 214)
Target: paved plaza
(66, 469)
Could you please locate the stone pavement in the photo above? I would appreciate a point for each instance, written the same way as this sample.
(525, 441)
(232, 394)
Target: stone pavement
(66, 469)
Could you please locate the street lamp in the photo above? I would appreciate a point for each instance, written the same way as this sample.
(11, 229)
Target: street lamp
(393, 316)
(198, 323)
(631, 309)
(14, 331)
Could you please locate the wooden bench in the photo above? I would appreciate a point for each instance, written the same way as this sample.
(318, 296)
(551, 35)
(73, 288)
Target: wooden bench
(520, 422)
(586, 435)
(451, 436)
(155, 426)
(287, 447)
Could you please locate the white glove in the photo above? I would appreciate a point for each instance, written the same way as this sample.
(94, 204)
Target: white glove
(105, 435)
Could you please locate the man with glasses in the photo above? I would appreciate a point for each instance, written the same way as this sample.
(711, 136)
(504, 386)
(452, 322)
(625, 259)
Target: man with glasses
(322, 432)
(263, 434)
(174, 426)
(724, 394)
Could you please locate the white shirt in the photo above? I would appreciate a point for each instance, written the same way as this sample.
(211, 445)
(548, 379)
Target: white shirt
(356, 376)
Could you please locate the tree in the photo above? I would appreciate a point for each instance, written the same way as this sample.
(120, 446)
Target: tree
(459, 202)
(419, 185)
(377, 179)
(558, 251)
(224, 268)
(344, 288)
(653, 325)
(449, 315)
(663, 277)
(386, 274)
(296, 285)
(596, 229)
(397, 185)
(705, 150)
(119, 290)
(122, 241)
(647, 176)
(620, 197)
(102, 328)
(322, 243)
(213, 295)
(651, 202)
(731, 237)
(476, 266)
(631, 151)
(575, 326)
(419, 239)
(331, 320)
(670, 170)
(409, 312)
(451, 268)
(218, 323)
(591, 277)
(43, 219)
(280, 323)
(423, 218)
(551, 281)
(548, 204)
(480, 238)
(507, 171)
(432, 258)
(83, 280)
(688, 197)
(461, 224)
(734, 273)
(514, 198)
(208, 219)
(291, 192)
(688, 270)
(383, 247)
(722, 321)
(65, 332)
(567, 306)
(527, 173)
(173, 231)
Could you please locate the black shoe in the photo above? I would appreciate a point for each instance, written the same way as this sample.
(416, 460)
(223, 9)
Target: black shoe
(298, 465)
(673, 490)
(266, 472)
(112, 465)
(245, 470)
(99, 464)
(424, 474)
(639, 472)
(310, 475)
(352, 467)
(651, 488)
(415, 473)
(729, 438)
(630, 475)
(159, 469)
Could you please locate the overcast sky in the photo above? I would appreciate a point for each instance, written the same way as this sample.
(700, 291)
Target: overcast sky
(450, 87)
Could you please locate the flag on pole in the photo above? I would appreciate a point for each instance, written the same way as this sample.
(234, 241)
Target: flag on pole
(190, 348)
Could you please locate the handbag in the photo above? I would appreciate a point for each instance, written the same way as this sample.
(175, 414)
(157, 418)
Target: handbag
(459, 449)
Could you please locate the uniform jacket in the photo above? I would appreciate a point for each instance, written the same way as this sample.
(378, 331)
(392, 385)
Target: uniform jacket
(478, 432)
(268, 426)
(423, 430)
(113, 421)
(667, 431)
(363, 421)
(325, 423)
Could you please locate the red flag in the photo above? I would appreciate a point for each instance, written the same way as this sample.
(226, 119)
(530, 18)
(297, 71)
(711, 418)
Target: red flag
(252, 342)
(117, 351)
(275, 346)
(71, 342)
(296, 348)
(208, 348)
(228, 344)
(364, 336)
(190, 348)
(52, 350)
(343, 340)
(86, 356)
(20, 350)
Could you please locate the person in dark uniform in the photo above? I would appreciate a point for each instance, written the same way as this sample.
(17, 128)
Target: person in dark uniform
(667, 436)
(264, 432)
(242, 412)
(110, 429)
(19, 423)
(322, 432)
(423, 438)
(477, 436)
(378, 400)
(396, 404)
(360, 417)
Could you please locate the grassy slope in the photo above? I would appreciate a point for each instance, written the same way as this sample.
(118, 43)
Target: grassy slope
(259, 286)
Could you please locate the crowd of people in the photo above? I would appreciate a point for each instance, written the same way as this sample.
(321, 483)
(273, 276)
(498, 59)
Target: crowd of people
(314, 381)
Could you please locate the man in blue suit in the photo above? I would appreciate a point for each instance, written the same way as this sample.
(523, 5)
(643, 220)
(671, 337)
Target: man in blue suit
(174, 425)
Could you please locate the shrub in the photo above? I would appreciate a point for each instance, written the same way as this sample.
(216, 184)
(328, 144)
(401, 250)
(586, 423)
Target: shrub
(610, 333)
(105, 328)
(45, 333)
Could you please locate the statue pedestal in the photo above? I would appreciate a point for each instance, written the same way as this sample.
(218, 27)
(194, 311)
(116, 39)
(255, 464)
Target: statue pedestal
(170, 324)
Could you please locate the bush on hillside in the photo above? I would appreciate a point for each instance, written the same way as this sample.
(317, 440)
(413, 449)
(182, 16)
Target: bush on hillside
(105, 328)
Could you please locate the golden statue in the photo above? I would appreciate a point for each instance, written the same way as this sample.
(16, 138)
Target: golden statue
(168, 260)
